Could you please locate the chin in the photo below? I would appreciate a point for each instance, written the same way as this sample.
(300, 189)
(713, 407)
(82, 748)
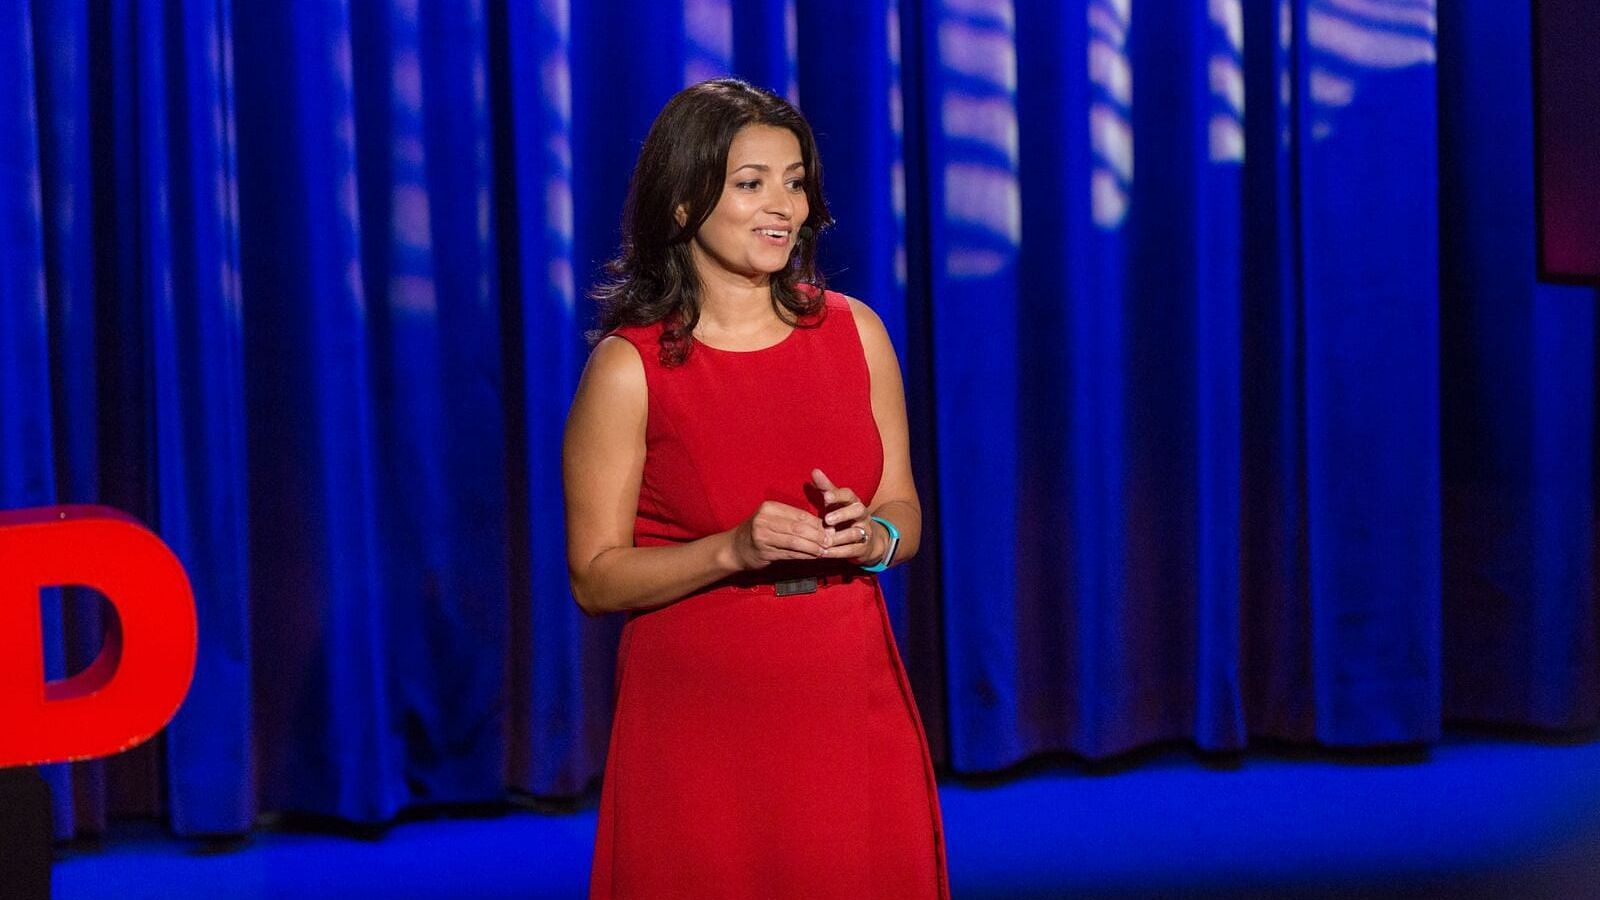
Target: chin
(758, 270)
(772, 265)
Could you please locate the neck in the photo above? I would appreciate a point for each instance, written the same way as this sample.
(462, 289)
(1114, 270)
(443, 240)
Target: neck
(740, 312)
(734, 304)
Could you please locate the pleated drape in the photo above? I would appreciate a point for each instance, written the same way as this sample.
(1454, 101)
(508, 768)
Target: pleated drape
(1237, 409)
(1518, 454)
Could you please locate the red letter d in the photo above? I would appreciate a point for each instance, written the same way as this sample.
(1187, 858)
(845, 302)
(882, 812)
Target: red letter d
(136, 684)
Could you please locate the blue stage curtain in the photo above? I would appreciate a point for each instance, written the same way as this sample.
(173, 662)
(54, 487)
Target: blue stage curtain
(1237, 409)
(1518, 460)
(139, 401)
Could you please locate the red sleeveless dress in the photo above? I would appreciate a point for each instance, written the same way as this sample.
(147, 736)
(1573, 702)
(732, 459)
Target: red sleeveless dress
(763, 745)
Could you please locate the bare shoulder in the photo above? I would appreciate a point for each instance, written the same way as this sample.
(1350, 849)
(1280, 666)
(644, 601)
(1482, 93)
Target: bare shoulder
(875, 341)
(613, 380)
(865, 316)
(615, 364)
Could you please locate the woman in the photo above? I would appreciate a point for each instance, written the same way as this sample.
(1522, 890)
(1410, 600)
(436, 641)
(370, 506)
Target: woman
(736, 470)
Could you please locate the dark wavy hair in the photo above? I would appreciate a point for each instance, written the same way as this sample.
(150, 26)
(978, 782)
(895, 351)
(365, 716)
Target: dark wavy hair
(684, 162)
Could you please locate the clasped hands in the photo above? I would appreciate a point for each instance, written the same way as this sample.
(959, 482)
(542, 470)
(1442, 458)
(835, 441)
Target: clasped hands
(778, 531)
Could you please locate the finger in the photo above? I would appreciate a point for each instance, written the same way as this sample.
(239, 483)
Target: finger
(810, 528)
(853, 536)
(821, 480)
(832, 493)
(866, 551)
(782, 533)
(782, 517)
(808, 549)
(792, 556)
(850, 534)
(779, 510)
(851, 545)
(840, 495)
(846, 545)
(856, 510)
(800, 518)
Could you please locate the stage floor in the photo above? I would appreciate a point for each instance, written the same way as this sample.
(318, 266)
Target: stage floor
(1474, 817)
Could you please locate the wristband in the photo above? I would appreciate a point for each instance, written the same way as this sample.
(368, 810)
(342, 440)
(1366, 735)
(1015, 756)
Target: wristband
(894, 543)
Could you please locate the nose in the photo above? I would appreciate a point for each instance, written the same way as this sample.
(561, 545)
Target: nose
(780, 202)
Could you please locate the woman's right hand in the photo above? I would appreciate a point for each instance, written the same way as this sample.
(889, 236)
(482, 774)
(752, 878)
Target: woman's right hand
(778, 531)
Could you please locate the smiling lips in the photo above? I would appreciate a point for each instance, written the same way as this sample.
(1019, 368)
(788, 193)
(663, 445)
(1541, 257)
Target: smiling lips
(775, 236)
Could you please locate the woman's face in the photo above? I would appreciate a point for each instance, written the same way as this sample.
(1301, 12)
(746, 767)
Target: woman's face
(752, 231)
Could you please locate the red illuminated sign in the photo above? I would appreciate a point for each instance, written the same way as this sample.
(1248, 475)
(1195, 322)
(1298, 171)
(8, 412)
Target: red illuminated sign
(138, 681)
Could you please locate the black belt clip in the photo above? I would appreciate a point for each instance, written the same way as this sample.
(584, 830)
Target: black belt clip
(795, 586)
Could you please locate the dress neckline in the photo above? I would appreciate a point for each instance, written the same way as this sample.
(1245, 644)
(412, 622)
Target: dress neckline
(772, 346)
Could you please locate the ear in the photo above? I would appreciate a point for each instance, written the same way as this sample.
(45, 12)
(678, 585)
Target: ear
(680, 214)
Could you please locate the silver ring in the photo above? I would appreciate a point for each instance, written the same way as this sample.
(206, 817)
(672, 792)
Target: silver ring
(863, 533)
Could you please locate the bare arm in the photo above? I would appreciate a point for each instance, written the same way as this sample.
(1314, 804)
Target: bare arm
(602, 462)
(896, 499)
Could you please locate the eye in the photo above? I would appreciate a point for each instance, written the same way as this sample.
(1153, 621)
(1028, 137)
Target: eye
(797, 185)
(747, 185)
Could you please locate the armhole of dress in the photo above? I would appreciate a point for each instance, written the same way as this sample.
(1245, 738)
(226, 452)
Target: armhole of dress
(849, 312)
(662, 423)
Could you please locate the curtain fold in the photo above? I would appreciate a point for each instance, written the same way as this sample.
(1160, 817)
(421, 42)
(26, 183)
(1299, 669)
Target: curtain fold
(1236, 407)
(192, 307)
(1274, 550)
(1368, 198)
(1518, 457)
(561, 718)
(326, 704)
(968, 70)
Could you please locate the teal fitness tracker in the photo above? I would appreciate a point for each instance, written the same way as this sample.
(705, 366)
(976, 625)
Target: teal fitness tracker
(894, 544)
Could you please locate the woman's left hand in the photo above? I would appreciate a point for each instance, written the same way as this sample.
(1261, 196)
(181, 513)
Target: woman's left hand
(849, 523)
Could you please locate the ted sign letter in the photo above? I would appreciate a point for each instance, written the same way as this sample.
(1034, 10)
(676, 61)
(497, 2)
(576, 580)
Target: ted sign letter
(135, 685)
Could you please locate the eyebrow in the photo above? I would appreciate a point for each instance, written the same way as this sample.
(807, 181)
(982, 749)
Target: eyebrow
(762, 167)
